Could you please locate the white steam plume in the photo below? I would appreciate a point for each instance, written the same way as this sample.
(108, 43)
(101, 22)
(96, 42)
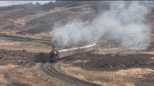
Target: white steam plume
(123, 22)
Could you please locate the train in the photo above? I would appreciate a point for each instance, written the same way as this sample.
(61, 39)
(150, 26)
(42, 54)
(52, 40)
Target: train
(56, 54)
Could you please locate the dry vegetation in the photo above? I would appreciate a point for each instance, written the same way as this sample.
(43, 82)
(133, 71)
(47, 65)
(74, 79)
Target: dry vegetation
(25, 38)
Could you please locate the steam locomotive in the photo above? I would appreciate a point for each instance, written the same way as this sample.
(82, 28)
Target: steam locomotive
(56, 54)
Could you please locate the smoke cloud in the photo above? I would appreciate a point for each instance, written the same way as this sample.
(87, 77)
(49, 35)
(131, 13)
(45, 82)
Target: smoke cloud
(124, 22)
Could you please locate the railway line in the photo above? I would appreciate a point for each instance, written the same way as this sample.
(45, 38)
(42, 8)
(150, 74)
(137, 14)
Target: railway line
(54, 70)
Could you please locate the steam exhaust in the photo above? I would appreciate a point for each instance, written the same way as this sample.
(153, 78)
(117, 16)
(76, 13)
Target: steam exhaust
(123, 22)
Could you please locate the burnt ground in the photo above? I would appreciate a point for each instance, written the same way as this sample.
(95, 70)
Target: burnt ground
(23, 68)
(22, 65)
(24, 48)
(135, 69)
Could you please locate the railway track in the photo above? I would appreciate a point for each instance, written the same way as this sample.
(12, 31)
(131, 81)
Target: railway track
(54, 70)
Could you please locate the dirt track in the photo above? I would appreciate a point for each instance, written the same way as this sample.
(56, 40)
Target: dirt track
(54, 70)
